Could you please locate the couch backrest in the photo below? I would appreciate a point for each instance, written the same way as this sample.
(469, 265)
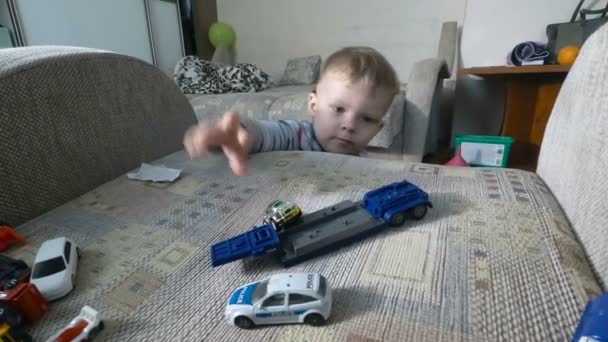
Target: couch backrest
(574, 155)
(72, 119)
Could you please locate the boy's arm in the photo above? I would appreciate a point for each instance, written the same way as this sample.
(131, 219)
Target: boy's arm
(281, 135)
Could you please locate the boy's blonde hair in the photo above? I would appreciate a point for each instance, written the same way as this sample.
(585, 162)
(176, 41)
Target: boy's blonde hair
(363, 64)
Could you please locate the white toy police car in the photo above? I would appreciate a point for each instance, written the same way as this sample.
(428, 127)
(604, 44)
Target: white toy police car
(281, 298)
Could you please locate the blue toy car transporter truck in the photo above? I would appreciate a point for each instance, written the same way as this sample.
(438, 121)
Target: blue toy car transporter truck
(324, 230)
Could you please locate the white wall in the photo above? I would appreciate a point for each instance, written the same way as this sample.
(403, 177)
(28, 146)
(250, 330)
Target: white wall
(269, 32)
(491, 29)
(115, 25)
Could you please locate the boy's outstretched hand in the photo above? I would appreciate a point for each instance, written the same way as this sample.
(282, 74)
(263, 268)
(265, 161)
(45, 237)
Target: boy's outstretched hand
(226, 134)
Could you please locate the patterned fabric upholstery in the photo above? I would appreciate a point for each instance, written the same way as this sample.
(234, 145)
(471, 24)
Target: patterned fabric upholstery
(72, 119)
(574, 155)
(495, 260)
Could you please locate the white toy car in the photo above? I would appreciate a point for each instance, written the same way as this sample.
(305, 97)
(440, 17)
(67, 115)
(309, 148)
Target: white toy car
(281, 298)
(54, 270)
(82, 328)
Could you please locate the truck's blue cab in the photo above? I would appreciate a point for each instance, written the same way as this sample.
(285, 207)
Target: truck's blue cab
(593, 326)
(395, 201)
(254, 242)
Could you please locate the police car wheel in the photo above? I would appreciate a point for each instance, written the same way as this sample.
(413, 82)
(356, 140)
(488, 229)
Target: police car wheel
(314, 319)
(243, 322)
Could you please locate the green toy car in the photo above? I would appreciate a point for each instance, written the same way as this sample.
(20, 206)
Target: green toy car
(281, 214)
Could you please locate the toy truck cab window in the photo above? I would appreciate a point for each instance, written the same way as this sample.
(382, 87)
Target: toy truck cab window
(48, 267)
(67, 249)
(297, 298)
(274, 300)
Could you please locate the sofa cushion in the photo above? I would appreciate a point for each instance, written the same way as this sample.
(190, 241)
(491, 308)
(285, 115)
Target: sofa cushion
(303, 70)
(254, 105)
(495, 259)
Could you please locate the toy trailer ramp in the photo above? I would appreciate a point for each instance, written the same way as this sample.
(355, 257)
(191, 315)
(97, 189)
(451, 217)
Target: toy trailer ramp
(251, 243)
(327, 229)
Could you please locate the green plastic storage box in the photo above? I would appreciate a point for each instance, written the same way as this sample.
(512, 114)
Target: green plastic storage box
(484, 150)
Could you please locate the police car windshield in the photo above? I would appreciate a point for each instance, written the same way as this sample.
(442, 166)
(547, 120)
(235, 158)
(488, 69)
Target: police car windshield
(259, 292)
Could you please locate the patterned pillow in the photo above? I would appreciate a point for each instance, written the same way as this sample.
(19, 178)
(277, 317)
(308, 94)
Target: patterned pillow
(303, 70)
(197, 76)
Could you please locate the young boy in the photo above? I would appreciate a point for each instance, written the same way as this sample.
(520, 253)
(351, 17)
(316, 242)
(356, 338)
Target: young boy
(355, 89)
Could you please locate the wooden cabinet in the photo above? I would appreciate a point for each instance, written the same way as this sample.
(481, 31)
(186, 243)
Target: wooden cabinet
(530, 93)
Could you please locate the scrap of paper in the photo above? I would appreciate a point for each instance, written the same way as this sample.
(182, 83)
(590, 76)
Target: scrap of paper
(155, 173)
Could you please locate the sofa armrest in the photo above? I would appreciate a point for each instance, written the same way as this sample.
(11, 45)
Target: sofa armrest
(448, 42)
(75, 118)
(422, 101)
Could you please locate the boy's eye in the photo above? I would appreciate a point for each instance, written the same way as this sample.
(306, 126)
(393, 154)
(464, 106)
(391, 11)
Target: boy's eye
(368, 119)
(338, 109)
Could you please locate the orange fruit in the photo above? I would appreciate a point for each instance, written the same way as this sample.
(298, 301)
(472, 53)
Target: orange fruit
(568, 54)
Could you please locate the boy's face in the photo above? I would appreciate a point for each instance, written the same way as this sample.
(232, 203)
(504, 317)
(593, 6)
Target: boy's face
(346, 115)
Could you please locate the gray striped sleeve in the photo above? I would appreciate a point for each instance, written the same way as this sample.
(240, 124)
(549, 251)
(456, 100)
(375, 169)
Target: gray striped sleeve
(281, 135)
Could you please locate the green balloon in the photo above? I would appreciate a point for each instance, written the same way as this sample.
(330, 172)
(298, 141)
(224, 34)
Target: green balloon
(221, 34)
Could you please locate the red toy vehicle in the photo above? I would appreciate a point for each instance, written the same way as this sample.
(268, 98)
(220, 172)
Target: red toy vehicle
(27, 300)
(83, 327)
(8, 236)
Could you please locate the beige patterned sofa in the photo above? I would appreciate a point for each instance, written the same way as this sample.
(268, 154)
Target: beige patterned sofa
(505, 255)
(411, 124)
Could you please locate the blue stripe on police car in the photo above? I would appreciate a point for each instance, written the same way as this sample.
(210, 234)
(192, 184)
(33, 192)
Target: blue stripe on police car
(263, 314)
(242, 296)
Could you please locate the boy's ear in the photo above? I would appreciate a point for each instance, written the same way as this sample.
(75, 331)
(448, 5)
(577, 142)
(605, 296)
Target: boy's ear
(312, 103)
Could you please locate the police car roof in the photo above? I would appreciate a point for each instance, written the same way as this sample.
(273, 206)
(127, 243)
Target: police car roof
(293, 281)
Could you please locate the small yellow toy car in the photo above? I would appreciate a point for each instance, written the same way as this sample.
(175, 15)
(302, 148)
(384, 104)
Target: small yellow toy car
(281, 214)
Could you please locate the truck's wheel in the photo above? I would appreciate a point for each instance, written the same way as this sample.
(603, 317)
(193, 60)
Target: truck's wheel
(419, 211)
(397, 220)
(314, 319)
(244, 322)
